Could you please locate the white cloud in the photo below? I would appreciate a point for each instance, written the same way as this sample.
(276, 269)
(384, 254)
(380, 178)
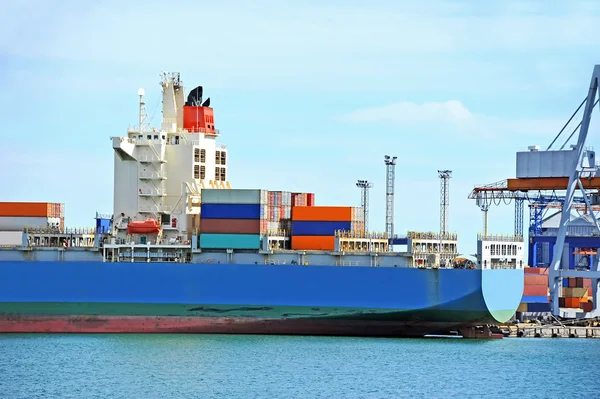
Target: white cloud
(305, 44)
(453, 117)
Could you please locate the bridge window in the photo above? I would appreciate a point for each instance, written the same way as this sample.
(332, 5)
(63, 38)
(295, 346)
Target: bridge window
(196, 154)
(202, 172)
(203, 155)
(196, 171)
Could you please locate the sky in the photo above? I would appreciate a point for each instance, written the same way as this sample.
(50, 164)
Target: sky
(308, 95)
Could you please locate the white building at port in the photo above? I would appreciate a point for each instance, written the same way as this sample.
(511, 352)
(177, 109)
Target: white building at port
(159, 173)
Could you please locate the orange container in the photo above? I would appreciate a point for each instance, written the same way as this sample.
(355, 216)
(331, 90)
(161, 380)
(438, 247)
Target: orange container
(322, 213)
(572, 302)
(313, 243)
(25, 209)
(535, 279)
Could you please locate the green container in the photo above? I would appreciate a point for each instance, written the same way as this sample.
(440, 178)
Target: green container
(233, 196)
(230, 241)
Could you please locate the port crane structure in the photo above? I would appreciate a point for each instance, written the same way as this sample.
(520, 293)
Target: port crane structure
(579, 173)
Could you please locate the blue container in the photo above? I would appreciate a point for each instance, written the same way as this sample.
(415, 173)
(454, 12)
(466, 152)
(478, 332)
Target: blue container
(534, 299)
(230, 241)
(230, 211)
(538, 307)
(310, 228)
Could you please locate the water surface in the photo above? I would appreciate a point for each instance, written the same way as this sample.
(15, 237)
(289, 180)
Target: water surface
(218, 366)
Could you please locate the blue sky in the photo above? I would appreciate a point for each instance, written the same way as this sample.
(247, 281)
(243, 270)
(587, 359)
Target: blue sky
(308, 95)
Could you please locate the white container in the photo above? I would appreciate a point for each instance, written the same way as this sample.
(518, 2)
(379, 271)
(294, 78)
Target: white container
(11, 238)
(17, 223)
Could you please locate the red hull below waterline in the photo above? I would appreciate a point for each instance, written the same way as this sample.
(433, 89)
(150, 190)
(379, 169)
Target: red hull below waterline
(196, 325)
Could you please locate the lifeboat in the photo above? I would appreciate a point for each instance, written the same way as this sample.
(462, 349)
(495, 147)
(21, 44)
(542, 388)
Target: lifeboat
(148, 226)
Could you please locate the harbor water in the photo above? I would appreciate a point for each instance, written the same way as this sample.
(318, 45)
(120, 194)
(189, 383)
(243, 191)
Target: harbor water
(217, 366)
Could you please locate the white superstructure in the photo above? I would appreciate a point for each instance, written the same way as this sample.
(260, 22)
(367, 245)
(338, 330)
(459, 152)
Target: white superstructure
(159, 173)
(500, 252)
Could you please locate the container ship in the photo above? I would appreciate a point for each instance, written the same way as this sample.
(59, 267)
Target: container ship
(185, 252)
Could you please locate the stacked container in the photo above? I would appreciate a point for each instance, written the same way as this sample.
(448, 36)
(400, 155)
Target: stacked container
(358, 220)
(232, 219)
(279, 209)
(576, 294)
(314, 227)
(16, 215)
(536, 286)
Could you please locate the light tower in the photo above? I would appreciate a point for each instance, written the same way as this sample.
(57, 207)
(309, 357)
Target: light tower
(444, 176)
(390, 178)
(365, 185)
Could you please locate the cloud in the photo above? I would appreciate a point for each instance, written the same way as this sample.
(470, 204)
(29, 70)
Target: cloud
(303, 44)
(452, 117)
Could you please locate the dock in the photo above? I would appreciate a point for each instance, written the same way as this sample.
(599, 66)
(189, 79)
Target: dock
(552, 331)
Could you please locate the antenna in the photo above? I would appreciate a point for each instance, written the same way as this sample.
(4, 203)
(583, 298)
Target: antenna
(390, 163)
(444, 176)
(365, 185)
(143, 116)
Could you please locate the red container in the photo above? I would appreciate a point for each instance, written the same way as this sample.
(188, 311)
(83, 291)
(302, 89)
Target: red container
(230, 226)
(310, 199)
(536, 270)
(586, 306)
(536, 279)
(572, 282)
(587, 283)
(579, 282)
(535, 290)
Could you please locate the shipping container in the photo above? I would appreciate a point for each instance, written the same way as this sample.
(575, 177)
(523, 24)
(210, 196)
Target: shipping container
(25, 209)
(561, 302)
(230, 211)
(538, 307)
(322, 213)
(318, 228)
(587, 283)
(232, 196)
(535, 290)
(17, 223)
(586, 306)
(310, 199)
(230, 241)
(536, 279)
(522, 307)
(313, 243)
(230, 226)
(572, 302)
(11, 238)
(576, 292)
(536, 270)
(535, 299)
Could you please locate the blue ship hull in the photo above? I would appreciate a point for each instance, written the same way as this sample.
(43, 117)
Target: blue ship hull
(250, 298)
